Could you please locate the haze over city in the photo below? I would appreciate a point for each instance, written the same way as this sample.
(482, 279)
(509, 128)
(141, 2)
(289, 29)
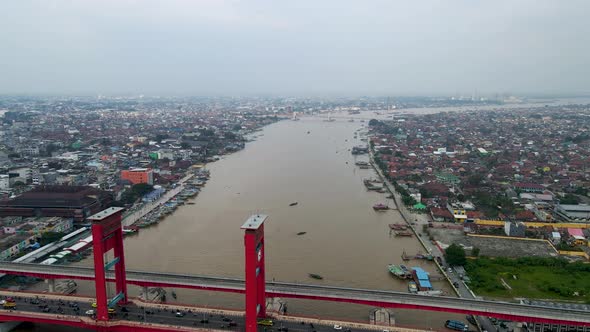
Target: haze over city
(207, 47)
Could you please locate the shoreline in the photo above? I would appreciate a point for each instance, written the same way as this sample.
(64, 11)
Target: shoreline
(405, 214)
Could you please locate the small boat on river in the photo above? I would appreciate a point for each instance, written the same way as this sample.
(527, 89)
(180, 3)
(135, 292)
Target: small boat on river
(294, 203)
(316, 276)
(380, 207)
(404, 233)
(301, 233)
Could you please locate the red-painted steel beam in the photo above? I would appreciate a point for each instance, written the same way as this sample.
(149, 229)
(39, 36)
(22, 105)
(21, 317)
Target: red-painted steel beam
(383, 304)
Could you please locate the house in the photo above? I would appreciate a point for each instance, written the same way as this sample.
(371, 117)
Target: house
(576, 235)
(441, 215)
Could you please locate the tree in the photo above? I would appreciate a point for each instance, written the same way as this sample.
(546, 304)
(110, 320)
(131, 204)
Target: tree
(455, 255)
(475, 252)
(373, 122)
(18, 184)
(569, 199)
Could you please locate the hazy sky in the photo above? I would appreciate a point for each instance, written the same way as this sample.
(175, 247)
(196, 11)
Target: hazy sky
(299, 47)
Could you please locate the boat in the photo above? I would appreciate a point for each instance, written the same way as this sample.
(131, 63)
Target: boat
(362, 163)
(301, 233)
(316, 276)
(404, 233)
(380, 207)
(294, 203)
(405, 269)
(412, 287)
(190, 203)
(398, 227)
(396, 271)
(405, 256)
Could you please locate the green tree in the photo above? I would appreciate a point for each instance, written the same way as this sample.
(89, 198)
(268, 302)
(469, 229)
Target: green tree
(569, 199)
(455, 255)
(373, 122)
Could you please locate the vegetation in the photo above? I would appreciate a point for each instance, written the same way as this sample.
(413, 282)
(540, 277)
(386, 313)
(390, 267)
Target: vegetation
(137, 191)
(530, 277)
(455, 255)
(50, 237)
(569, 199)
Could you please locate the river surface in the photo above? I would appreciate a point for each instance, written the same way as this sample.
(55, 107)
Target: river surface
(308, 162)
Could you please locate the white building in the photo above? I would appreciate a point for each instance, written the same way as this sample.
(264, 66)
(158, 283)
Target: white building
(4, 182)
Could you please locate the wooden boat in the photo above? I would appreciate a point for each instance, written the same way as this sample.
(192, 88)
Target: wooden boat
(301, 233)
(316, 276)
(294, 203)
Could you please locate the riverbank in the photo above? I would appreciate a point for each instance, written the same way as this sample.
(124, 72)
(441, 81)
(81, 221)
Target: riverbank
(414, 221)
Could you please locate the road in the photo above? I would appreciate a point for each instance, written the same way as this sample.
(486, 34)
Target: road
(170, 316)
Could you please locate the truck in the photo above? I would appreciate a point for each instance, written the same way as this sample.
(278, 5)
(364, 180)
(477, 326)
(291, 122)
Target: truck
(456, 325)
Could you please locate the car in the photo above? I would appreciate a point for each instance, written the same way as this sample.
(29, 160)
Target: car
(266, 322)
(232, 323)
(204, 321)
(46, 309)
(450, 270)
(179, 314)
(93, 304)
(124, 309)
(337, 327)
(111, 311)
(89, 312)
(282, 329)
(225, 319)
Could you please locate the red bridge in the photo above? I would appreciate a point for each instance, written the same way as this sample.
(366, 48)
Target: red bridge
(106, 230)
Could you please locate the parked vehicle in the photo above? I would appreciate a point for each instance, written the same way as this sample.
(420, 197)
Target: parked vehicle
(456, 325)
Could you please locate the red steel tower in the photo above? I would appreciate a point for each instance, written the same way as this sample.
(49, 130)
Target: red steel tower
(254, 252)
(106, 235)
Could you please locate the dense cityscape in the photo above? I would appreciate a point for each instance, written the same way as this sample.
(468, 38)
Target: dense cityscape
(295, 166)
(479, 180)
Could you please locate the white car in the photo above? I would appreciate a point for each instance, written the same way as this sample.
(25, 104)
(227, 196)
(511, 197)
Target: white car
(90, 312)
(337, 327)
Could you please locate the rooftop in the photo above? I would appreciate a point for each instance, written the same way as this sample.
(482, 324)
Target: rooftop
(255, 221)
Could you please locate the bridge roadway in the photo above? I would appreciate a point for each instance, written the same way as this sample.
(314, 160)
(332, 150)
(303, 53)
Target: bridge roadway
(376, 298)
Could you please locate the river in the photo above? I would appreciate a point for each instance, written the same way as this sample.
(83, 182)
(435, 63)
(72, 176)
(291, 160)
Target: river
(308, 162)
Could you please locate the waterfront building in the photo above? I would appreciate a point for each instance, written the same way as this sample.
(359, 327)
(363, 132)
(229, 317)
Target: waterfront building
(138, 175)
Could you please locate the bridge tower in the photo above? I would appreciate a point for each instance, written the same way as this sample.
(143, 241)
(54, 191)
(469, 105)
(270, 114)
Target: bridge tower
(107, 234)
(254, 254)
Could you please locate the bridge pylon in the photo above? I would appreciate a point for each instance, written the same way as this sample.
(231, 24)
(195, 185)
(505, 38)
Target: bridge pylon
(255, 284)
(107, 234)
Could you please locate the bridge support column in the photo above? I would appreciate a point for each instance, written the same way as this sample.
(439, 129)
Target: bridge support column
(107, 234)
(255, 283)
(50, 285)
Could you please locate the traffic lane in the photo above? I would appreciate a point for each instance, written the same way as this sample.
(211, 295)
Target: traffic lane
(192, 318)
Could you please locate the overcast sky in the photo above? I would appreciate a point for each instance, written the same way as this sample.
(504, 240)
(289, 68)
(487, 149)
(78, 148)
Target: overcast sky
(299, 47)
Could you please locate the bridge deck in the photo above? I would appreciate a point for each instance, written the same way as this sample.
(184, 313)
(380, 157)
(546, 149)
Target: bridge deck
(504, 310)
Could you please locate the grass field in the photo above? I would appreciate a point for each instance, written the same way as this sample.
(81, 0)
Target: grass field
(534, 278)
